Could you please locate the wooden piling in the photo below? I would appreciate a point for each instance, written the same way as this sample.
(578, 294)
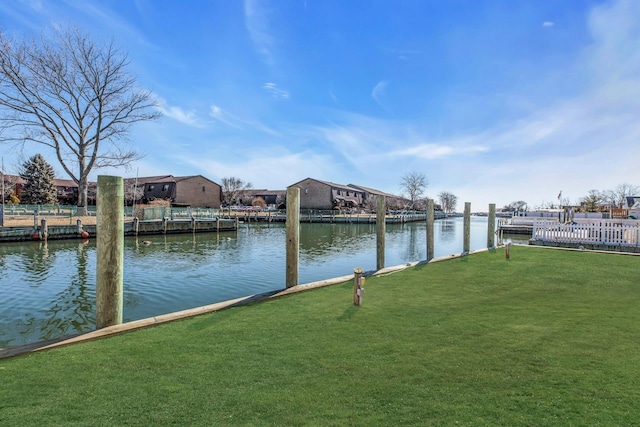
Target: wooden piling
(467, 228)
(109, 251)
(381, 229)
(430, 221)
(136, 225)
(507, 251)
(293, 236)
(44, 230)
(491, 226)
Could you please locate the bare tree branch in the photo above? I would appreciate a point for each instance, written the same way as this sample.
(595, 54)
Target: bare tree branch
(414, 185)
(74, 95)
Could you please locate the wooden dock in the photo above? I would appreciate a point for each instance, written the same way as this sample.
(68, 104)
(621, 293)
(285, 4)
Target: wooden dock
(331, 217)
(42, 231)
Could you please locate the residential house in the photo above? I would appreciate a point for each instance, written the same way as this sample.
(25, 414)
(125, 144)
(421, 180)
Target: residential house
(66, 189)
(633, 206)
(317, 194)
(194, 191)
(270, 197)
(371, 194)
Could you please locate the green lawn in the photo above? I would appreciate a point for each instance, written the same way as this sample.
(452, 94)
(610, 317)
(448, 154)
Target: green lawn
(546, 338)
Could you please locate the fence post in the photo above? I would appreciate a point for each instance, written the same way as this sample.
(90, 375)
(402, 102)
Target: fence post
(381, 228)
(467, 228)
(491, 226)
(430, 237)
(109, 251)
(293, 235)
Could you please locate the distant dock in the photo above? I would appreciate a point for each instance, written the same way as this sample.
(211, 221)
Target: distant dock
(43, 231)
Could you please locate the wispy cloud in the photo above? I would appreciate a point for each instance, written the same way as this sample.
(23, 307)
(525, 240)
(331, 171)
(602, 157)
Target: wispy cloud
(259, 168)
(234, 121)
(548, 24)
(223, 117)
(378, 94)
(188, 118)
(257, 22)
(437, 151)
(276, 92)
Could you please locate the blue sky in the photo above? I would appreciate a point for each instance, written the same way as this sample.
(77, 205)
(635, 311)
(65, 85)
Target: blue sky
(494, 101)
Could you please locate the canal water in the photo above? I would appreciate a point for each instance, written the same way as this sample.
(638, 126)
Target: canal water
(47, 289)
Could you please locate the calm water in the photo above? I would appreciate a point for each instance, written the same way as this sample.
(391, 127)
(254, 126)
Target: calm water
(47, 289)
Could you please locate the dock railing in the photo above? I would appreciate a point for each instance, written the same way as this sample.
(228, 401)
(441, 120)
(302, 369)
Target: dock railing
(607, 232)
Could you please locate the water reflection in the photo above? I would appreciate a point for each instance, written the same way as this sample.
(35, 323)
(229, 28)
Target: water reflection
(447, 230)
(47, 290)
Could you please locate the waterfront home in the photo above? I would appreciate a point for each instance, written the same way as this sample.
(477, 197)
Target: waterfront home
(317, 194)
(66, 189)
(195, 191)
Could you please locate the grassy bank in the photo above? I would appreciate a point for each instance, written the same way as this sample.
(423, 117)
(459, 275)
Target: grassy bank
(546, 338)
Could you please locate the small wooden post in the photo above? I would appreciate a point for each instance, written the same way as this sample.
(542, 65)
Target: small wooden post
(193, 224)
(507, 251)
(491, 226)
(467, 228)
(381, 228)
(358, 290)
(430, 221)
(109, 251)
(136, 225)
(293, 236)
(44, 230)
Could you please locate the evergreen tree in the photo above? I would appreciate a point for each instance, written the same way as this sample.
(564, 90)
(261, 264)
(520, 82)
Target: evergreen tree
(39, 188)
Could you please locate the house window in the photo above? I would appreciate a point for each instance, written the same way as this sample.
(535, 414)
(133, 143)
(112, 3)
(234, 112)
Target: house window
(203, 187)
(165, 187)
(149, 188)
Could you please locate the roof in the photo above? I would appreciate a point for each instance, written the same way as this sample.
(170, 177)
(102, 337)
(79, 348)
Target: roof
(372, 190)
(330, 184)
(163, 178)
(17, 179)
(633, 202)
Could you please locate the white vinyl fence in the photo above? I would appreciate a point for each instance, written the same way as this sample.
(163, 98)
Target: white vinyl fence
(609, 232)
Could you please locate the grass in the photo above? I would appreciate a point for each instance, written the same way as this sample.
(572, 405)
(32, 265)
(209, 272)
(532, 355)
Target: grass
(547, 338)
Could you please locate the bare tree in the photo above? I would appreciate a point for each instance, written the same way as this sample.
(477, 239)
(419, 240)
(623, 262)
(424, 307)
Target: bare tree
(133, 192)
(617, 196)
(371, 203)
(233, 190)
(8, 187)
(75, 96)
(414, 185)
(448, 201)
(519, 205)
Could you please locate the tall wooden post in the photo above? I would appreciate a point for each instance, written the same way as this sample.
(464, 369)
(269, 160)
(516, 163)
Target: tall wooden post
(109, 251)
(293, 235)
(430, 220)
(467, 228)
(381, 229)
(491, 226)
